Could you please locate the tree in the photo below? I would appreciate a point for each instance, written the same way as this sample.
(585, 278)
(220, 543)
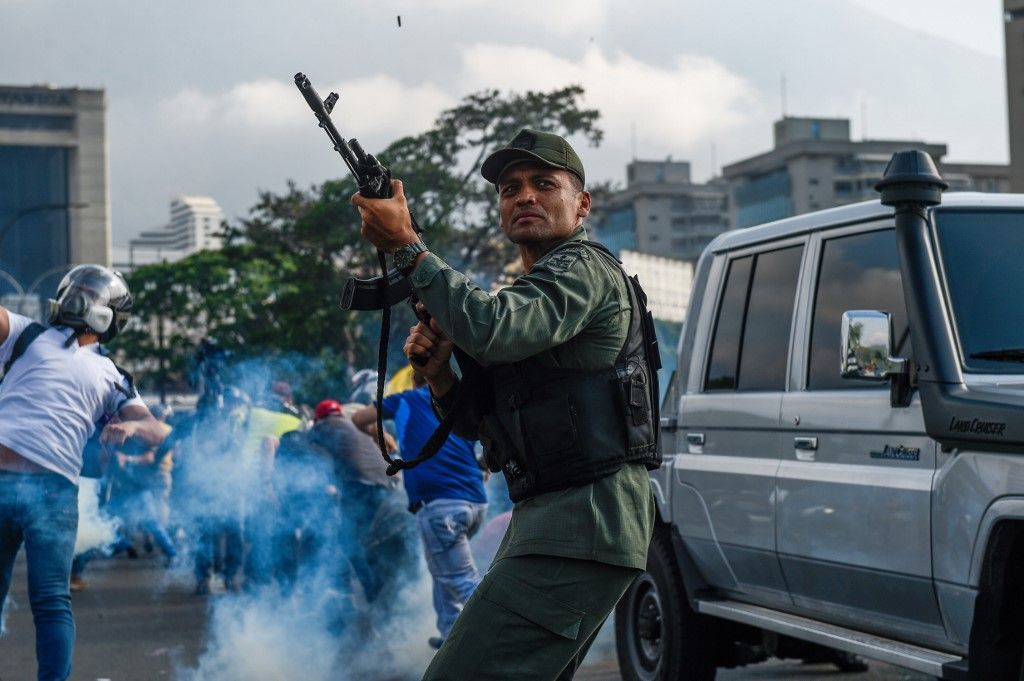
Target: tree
(273, 291)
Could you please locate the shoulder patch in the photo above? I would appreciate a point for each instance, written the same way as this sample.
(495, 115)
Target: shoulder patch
(565, 258)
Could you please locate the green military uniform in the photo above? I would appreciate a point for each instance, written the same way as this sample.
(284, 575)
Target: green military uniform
(568, 555)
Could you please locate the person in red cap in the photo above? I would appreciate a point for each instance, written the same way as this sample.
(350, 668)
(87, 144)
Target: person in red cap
(367, 496)
(327, 408)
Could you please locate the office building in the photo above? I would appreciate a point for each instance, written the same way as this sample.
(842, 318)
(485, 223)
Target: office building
(815, 164)
(195, 225)
(54, 195)
(1013, 31)
(661, 212)
(666, 281)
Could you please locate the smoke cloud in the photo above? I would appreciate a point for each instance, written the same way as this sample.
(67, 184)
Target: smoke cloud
(96, 529)
(310, 576)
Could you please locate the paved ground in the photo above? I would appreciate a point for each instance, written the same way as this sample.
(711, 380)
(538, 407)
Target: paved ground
(136, 622)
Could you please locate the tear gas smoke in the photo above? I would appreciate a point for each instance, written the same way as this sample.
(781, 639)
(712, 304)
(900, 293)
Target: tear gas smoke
(314, 613)
(96, 529)
(334, 585)
(312, 577)
(9, 607)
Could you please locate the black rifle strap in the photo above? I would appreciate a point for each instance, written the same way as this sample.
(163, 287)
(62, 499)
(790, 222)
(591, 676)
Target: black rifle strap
(382, 363)
(465, 390)
(28, 334)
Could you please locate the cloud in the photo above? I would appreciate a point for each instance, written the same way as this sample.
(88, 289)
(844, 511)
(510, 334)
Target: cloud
(679, 106)
(565, 17)
(371, 105)
(259, 132)
(971, 25)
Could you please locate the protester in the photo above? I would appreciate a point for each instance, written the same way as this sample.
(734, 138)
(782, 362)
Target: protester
(266, 422)
(307, 514)
(140, 482)
(57, 387)
(445, 492)
(374, 531)
(211, 473)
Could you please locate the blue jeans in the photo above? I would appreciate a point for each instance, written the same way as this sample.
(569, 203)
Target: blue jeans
(209, 531)
(41, 511)
(446, 526)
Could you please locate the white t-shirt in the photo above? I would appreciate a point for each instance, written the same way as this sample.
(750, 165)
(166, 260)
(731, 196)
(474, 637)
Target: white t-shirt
(54, 396)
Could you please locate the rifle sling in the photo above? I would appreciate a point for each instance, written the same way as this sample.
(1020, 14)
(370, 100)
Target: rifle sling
(465, 391)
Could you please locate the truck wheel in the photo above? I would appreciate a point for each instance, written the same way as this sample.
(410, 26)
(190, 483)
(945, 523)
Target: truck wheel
(658, 636)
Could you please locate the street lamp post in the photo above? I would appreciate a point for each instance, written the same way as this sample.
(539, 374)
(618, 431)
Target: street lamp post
(39, 208)
(9, 278)
(29, 210)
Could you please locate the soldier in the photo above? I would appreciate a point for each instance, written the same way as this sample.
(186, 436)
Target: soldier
(565, 411)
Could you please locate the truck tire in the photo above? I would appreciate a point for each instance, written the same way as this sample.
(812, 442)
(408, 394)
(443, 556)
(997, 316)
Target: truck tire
(658, 636)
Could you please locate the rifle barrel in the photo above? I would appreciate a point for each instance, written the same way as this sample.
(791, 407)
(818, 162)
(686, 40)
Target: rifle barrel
(320, 111)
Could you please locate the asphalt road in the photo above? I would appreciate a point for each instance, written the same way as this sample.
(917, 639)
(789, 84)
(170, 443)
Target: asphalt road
(138, 621)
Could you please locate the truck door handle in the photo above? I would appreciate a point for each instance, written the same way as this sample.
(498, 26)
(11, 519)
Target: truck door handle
(805, 447)
(695, 439)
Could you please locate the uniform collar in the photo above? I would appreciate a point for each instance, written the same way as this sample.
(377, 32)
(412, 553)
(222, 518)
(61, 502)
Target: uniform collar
(580, 234)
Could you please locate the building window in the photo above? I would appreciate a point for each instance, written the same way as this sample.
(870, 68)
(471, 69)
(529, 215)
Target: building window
(764, 198)
(36, 122)
(682, 204)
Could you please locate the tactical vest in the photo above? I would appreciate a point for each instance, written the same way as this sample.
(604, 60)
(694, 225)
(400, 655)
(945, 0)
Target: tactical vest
(551, 429)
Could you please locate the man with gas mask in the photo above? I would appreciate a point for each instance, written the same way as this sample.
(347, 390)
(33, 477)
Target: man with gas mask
(566, 409)
(57, 389)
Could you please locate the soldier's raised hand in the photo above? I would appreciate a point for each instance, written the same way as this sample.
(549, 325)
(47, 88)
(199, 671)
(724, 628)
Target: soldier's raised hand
(428, 343)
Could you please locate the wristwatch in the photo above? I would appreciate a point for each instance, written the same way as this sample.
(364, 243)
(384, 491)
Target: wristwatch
(405, 256)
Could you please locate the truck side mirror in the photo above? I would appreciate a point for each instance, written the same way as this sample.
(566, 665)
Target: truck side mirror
(867, 353)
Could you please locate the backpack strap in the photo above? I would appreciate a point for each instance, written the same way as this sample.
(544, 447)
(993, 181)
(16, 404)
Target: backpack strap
(130, 392)
(28, 334)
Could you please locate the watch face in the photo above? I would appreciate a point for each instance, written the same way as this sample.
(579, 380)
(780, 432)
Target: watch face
(405, 256)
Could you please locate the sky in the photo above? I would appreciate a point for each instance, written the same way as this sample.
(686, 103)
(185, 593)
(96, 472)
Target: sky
(201, 100)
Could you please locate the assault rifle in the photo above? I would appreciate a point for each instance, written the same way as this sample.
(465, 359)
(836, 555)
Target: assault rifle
(374, 181)
(390, 287)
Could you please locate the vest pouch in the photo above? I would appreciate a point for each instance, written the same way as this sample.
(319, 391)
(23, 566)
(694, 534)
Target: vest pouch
(549, 429)
(506, 451)
(634, 394)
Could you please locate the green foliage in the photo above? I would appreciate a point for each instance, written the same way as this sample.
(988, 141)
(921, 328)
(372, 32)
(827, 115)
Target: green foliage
(273, 291)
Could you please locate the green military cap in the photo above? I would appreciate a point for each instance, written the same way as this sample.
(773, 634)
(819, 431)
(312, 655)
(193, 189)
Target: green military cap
(533, 145)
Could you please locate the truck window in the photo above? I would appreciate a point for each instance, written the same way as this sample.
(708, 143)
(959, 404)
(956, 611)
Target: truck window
(981, 256)
(858, 272)
(751, 342)
(725, 347)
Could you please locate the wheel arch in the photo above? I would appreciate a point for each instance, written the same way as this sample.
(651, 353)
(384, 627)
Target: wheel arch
(997, 627)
